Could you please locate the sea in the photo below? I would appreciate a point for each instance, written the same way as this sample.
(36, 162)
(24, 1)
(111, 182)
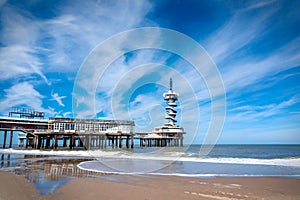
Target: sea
(50, 169)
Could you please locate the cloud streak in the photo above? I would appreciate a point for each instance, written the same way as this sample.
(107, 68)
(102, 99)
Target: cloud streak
(22, 94)
(257, 113)
(58, 99)
(33, 47)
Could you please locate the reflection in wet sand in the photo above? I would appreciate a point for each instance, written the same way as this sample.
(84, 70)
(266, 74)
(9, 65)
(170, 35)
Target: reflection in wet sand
(47, 173)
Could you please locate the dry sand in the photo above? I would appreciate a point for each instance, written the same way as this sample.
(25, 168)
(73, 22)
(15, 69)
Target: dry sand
(156, 187)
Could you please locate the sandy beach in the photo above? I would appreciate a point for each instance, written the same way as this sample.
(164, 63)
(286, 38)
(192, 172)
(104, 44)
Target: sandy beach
(155, 187)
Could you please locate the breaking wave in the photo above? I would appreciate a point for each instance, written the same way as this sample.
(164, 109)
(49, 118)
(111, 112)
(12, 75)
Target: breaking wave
(162, 156)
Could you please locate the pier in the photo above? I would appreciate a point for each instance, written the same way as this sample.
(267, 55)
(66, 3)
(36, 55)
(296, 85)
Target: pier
(62, 133)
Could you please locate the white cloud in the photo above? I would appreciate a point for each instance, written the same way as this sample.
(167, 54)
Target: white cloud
(228, 47)
(141, 108)
(68, 37)
(58, 99)
(82, 26)
(19, 62)
(67, 114)
(258, 4)
(258, 112)
(19, 56)
(34, 46)
(236, 33)
(21, 94)
(249, 71)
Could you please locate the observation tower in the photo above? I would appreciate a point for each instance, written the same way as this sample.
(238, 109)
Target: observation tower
(169, 134)
(171, 97)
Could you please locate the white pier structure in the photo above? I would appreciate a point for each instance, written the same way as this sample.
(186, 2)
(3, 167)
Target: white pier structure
(73, 133)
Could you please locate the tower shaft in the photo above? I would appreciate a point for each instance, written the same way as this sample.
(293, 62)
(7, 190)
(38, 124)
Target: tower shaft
(171, 97)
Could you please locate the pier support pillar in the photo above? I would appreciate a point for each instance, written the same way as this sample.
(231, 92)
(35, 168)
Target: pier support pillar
(127, 142)
(27, 141)
(34, 143)
(120, 141)
(89, 141)
(43, 142)
(4, 139)
(71, 141)
(70, 144)
(11, 138)
(113, 142)
(55, 141)
(132, 142)
(39, 142)
(64, 142)
(80, 142)
(2, 160)
(100, 141)
(48, 142)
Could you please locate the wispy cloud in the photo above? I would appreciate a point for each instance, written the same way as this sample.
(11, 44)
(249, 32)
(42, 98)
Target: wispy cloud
(258, 4)
(250, 71)
(18, 55)
(82, 26)
(259, 112)
(20, 95)
(243, 68)
(58, 98)
(240, 30)
(33, 46)
(146, 111)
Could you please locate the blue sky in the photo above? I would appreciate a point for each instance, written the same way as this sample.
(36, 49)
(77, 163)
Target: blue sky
(254, 44)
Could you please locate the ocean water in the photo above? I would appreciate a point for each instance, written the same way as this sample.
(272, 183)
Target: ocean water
(251, 151)
(222, 160)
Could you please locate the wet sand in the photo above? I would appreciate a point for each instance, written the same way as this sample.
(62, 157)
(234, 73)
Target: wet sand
(16, 187)
(156, 187)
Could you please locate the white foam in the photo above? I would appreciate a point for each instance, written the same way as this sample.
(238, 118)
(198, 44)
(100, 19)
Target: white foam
(289, 162)
(176, 156)
(182, 174)
(47, 153)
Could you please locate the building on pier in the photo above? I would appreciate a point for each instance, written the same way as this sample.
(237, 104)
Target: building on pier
(72, 125)
(25, 113)
(169, 134)
(68, 132)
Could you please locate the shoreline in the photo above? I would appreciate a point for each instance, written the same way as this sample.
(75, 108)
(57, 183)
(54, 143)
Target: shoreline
(36, 176)
(155, 187)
